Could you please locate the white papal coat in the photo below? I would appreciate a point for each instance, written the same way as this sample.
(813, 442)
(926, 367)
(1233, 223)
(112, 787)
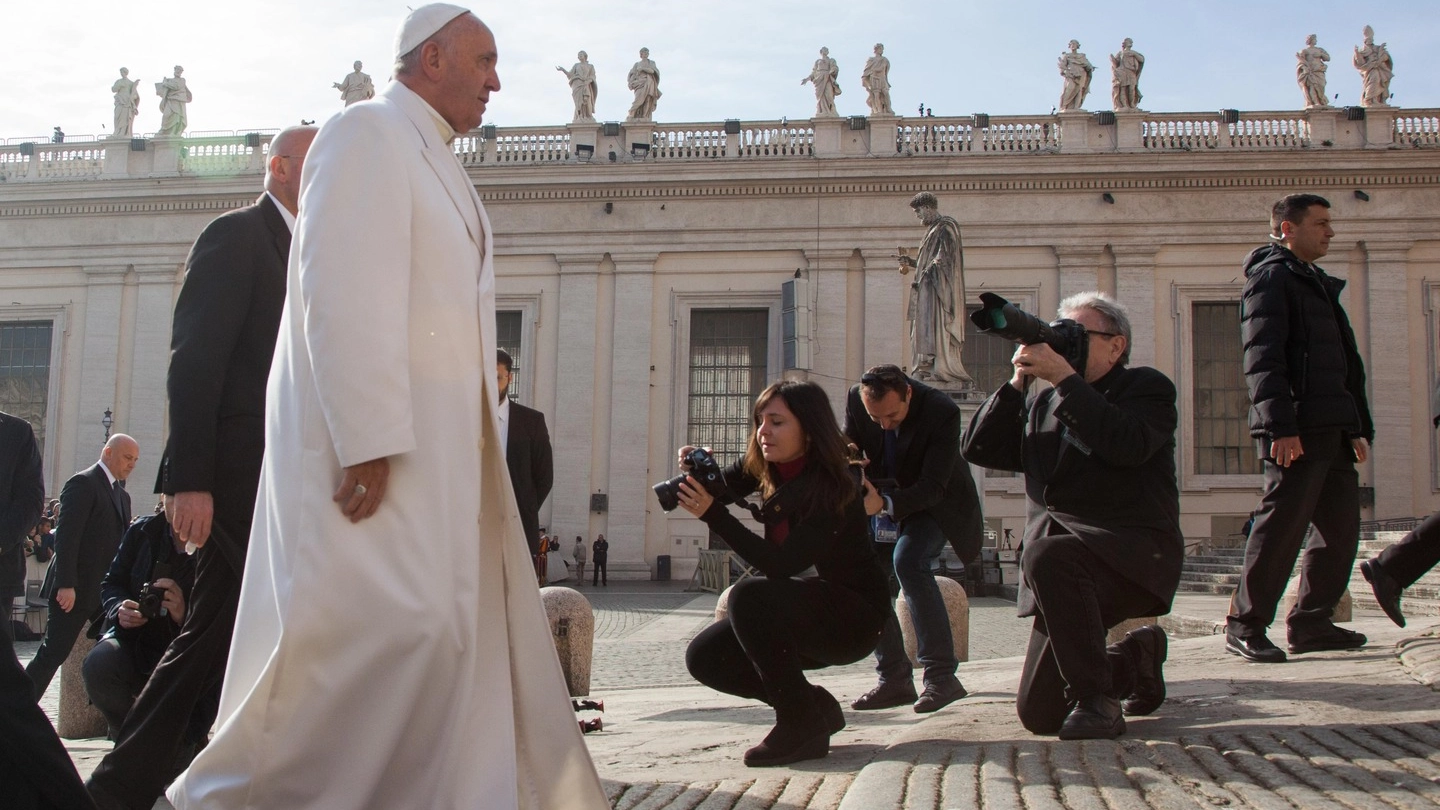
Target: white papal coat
(404, 661)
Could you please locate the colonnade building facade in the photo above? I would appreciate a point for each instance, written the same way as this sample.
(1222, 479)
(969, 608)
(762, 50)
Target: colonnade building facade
(654, 278)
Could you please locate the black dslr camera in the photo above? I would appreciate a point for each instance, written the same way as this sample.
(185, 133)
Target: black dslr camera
(1003, 319)
(152, 597)
(704, 469)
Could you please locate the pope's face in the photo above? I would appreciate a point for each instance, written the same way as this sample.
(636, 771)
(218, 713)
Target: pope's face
(467, 76)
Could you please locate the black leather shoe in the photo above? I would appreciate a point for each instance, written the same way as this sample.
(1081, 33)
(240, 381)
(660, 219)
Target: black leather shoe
(887, 695)
(830, 711)
(938, 696)
(1150, 647)
(1258, 649)
(1387, 590)
(1336, 638)
(787, 743)
(1094, 718)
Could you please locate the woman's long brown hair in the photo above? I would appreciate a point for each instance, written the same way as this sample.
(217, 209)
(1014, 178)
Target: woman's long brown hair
(824, 447)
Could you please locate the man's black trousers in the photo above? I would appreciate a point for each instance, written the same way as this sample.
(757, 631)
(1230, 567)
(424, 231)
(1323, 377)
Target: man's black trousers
(1078, 598)
(61, 631)
(1413, 557)
(1320, 488)
(35, 770)
(141, 764)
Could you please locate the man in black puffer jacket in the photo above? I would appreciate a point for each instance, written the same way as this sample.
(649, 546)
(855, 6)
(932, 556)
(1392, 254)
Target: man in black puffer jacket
(1309, 414)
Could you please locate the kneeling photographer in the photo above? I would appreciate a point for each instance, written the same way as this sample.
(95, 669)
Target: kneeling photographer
(143, 597)
(780, 625)
(1102, 543)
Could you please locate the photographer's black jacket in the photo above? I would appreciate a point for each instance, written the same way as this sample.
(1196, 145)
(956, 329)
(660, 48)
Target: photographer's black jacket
(837, 544)
(932, 478)
(145, 543)
(1302, 365)
(1099, 463)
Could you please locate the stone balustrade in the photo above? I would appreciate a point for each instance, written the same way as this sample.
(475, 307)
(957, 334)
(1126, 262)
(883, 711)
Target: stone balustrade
(202, 154)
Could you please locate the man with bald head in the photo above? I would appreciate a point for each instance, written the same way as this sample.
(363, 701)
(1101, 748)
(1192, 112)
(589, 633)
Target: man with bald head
(222, 341)
(361, 675)
(94, 511)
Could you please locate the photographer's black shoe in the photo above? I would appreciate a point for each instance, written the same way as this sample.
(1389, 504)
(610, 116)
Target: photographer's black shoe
(1094, 718)
(1149, 646)
(1258, 649)
(1387, 590)
(887, 695)
(830, 710)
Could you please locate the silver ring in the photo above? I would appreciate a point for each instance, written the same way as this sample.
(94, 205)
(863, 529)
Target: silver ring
(360, 489)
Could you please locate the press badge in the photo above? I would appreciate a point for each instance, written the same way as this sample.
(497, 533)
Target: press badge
(886, 530)
(1074, 441)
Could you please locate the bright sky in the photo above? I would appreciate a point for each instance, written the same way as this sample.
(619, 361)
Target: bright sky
(269, 63)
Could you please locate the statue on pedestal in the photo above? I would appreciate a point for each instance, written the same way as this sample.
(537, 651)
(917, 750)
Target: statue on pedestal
(355, 87)
(875, 78)
(1125, 84)
(583, 88)
(644, 79)
(825, 75)
(174, 95)
(1310, 70)
(1077, 71)
(936, 309)
(1376, 69)
(127, 104)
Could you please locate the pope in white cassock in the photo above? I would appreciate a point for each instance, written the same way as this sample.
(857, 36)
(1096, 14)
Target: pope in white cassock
(364, 674)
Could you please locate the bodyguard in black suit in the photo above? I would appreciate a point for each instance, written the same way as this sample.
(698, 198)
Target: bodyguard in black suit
(527, 453)
(1102, 540)
(910, 433)
(94, 511)
(22, 494)
(222, 342)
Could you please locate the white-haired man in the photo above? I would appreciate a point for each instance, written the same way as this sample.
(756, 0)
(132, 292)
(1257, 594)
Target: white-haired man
(1103, 542)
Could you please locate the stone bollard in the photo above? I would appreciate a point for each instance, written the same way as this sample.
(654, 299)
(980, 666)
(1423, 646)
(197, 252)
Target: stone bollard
(1117, 633)
(1292, 594)
(78, 719)
(572, 628)
(957, 605)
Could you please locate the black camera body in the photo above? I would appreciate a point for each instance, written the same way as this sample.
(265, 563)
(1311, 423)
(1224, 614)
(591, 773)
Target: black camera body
(704, 469)
(152, 597)
(1003, 319)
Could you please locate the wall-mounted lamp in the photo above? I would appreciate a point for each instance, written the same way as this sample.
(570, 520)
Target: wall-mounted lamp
(1105, 118)
(1361, 196)
(1229, 116)
(732, 126)
(27, 148)
(639, 151)
(980, 120)
(584, 151)
(610, 128)
(137, 144)
(488, 132)
(1354, 113)
(108, 420)
(609, 207)
(858, 122)
(1108, 197)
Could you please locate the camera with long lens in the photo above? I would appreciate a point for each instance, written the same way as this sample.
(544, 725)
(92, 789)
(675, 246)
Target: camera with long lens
(703, 468)
(999, 317)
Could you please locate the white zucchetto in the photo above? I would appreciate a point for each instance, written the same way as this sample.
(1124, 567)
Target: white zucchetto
(423, 23)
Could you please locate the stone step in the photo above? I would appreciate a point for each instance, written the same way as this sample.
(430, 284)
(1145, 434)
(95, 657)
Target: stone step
(1206, 568)
(1210, 579)
(1206, 587)
(1209, 560)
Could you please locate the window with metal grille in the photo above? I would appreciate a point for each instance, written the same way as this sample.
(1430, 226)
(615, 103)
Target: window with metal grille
(986, 357)
(1221, 403)
(507, 335)
(728, 354)
(25, 372)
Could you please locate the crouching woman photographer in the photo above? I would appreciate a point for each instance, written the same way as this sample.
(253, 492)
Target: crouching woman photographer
(780, 625)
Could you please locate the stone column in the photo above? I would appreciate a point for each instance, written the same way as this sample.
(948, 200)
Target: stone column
(1079, 269)
(828, 271)
(1388, 373)
(1135, 288)
(886, 292)
(828, 132)
(1075, 132)
(167, 154)
(99, 356)
(583, 134)
(1129, 130)
(634, 132)
(1323, 127)
(117, 157)
(1380, 127)
(78, 720)
(628, 478)
(883, 129)
(574, 391)
(146, 403)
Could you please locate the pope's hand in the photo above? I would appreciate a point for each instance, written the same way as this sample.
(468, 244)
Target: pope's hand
(362, 488)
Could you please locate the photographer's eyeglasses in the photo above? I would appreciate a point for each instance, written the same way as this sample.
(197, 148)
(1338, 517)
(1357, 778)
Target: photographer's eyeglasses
(1102, 334)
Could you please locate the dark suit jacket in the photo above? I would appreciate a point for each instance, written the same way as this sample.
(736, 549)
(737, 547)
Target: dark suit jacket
(932, 478)
(22, 495)
(93, 517)
(222, 342)
(532, 470)
(1099, 463)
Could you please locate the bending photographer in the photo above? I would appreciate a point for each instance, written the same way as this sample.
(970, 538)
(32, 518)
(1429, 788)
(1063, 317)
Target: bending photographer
(143, 598)
(779, 625)
(1102, 543)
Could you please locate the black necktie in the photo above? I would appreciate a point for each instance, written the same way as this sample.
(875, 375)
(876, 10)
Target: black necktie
(888, 447)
